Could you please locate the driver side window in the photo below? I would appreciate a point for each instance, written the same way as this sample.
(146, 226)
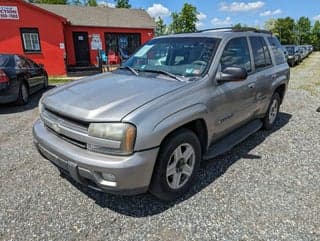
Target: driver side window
(236, 54)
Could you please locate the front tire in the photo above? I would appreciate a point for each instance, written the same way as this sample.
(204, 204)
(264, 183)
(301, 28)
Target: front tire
(177, 165)
(272, 113)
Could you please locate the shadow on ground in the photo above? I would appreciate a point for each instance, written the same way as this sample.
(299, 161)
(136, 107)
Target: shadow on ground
(32, 103)
(146, 205)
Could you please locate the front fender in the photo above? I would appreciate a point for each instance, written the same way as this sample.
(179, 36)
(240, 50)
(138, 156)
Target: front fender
(164, 126)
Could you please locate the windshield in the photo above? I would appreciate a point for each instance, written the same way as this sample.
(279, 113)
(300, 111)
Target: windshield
(187, 57)
(290, 50)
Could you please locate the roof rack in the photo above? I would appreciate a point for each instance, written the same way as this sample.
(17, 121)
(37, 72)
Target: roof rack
(232, 29)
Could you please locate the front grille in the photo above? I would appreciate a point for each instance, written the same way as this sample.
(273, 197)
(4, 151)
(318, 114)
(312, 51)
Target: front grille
(56, 123)
(66, 121)
(68, 139)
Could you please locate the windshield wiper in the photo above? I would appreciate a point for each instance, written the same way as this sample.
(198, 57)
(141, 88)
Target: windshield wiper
(131, 69)
(162, 72)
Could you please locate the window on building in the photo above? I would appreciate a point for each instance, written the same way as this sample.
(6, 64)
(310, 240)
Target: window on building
(30, 39)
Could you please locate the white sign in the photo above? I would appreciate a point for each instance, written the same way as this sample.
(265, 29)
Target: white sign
(96, 42)
(9, 12)
(61, 45)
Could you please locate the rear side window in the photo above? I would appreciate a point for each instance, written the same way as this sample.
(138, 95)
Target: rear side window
(236, 54)
(277, 50)
(6, 61)
(21, 62)
(260, 52)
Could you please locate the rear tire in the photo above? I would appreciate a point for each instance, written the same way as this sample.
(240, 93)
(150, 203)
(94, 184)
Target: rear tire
(46, 82)
(23, 95)
(272, 113)
(177, 165)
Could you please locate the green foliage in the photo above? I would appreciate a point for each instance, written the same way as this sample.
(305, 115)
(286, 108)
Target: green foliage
(304, 30)
(161, 27)
(237, 26)
(122, 4)
(92, 3)
(315, 36)
(284, 29)
(185, 21)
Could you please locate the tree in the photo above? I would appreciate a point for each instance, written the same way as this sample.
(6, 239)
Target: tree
(92, 3)
(284, 29)
(161, 28)
(237, 26)
(315, 37)
(304, 30)
(122, 4)
(185, 21)
(270, 24)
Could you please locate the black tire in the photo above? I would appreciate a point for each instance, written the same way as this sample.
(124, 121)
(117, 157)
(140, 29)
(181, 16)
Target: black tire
(160, 186)
(23, 95)
(269, 119)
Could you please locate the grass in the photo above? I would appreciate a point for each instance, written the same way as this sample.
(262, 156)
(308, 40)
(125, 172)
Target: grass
(59, 80)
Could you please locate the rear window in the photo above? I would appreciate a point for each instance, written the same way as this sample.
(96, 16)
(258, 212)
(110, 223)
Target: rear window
(6, 61)
(276, 48)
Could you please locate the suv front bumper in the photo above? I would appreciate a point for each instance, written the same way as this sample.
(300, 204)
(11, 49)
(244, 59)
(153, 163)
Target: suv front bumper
(130, 174)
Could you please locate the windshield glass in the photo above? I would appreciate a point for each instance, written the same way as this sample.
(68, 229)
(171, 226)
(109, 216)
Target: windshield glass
(290, 50)
(188, 57)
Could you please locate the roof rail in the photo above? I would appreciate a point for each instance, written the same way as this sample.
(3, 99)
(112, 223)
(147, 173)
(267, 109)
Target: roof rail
(232, 29)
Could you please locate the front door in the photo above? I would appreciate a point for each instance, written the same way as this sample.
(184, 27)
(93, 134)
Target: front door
(233, 103)
(81, 48)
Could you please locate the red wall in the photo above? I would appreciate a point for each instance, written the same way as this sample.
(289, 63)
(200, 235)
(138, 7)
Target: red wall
(50, 32)
(146, 34)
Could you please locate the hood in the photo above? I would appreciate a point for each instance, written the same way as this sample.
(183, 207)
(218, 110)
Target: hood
(107, 97)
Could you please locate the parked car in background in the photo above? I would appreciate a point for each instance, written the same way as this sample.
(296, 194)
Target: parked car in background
(303, 51)
(20, 77)
(180, 99)
(294, 56)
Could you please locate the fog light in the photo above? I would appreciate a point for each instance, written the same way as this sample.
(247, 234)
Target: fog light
(109, 177)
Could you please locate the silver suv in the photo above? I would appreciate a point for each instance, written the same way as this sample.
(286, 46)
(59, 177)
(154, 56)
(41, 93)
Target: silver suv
(178, 100)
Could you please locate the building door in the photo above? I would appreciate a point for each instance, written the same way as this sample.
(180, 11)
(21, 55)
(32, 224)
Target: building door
(81, 48)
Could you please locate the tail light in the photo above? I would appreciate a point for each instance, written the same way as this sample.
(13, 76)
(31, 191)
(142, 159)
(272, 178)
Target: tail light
(3, 77)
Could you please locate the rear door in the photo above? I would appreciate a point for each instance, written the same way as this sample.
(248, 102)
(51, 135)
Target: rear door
(263, 72)
(36, 72)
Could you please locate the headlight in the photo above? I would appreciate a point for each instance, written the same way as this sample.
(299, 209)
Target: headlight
(122, 133)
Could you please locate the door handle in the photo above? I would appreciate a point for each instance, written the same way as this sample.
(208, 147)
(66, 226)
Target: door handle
(252, 85)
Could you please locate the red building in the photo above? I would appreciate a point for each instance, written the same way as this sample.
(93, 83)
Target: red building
(60, 36)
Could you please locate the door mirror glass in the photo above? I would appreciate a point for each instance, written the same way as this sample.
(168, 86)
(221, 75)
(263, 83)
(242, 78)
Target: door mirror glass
(231, 74)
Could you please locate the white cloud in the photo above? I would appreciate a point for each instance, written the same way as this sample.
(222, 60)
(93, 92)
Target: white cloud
(241, 6)
(200, 16)
(316, 17)
(106, 4)
(158, 10)
(270, 13)
(199, 25)
(221, 22)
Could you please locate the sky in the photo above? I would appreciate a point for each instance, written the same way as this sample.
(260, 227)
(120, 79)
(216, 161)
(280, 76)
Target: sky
(225, 13)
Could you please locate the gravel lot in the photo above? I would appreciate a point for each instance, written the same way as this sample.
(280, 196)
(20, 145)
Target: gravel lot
(266, 188)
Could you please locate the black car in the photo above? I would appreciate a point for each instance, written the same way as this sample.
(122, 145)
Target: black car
(20, 77)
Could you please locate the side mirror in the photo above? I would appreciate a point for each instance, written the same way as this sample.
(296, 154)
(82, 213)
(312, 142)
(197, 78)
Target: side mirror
(231, 74)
